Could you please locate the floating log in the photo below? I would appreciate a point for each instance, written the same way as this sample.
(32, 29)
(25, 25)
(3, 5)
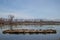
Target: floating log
(17, 31)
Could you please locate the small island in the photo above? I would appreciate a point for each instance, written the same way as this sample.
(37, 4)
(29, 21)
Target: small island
(17, 31)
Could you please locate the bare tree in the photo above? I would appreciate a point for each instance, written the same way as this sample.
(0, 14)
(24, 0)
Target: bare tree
(11, 21)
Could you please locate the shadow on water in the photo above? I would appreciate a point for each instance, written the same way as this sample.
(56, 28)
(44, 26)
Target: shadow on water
(29, 33)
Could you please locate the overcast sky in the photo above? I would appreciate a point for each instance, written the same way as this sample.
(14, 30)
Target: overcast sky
(28, 9)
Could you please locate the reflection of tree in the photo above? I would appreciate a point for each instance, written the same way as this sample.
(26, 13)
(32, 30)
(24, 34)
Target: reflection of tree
(1, 27)
(11, 21)
(1, 21)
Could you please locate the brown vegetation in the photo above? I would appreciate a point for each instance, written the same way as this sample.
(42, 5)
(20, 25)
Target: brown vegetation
(29, 31)
(11, 21)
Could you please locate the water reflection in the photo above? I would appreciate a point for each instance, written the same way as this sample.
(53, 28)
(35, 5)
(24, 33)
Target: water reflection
(30, 36)
(29, 27)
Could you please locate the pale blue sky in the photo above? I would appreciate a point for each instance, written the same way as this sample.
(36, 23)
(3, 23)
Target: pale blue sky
(42, 9)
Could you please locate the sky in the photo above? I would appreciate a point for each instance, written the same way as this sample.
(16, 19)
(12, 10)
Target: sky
(30, 9)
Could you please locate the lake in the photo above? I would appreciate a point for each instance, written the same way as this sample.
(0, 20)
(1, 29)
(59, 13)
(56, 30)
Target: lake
(28, 36)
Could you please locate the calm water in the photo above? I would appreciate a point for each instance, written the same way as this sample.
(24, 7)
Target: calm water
(31, 36)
